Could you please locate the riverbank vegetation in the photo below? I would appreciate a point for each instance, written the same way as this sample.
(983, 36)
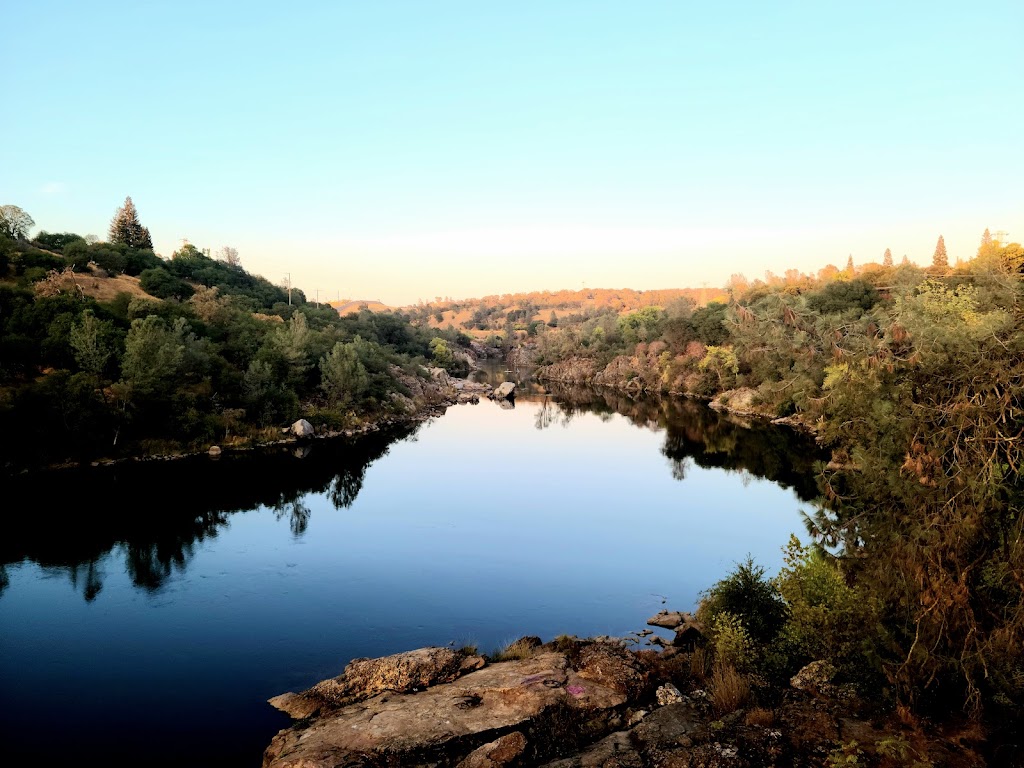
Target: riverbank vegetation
(107, 349)
(911, 582)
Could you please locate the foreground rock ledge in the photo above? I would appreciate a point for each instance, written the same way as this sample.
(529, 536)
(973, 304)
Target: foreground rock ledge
(542, 698)
(582, 704)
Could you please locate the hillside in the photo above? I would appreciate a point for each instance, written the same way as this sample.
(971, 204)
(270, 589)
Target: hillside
(490, 314)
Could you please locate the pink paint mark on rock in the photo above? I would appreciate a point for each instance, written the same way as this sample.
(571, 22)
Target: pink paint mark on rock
(575, 690)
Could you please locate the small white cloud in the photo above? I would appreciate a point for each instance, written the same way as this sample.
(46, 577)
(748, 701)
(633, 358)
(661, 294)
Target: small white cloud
(53, 188)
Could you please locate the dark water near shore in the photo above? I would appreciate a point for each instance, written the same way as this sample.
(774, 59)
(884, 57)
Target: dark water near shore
(147, 612)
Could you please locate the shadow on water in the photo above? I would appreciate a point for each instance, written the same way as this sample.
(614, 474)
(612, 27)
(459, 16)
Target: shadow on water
(694, 434)
(156, 513)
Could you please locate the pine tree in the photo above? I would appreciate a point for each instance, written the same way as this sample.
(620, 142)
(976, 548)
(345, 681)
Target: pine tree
(986, 238)
(850, 270)
(126, 229)
(887, 258)
(905, 262)
(940, 258)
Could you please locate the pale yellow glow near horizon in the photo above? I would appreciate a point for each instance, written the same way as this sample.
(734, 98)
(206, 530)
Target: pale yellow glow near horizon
(405, 268)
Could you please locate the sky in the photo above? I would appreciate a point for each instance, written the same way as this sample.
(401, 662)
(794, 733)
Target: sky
(405, 150)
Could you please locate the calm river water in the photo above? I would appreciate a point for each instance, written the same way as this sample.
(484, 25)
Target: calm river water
(147, 613)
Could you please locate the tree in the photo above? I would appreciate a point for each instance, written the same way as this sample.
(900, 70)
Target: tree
(887, 258)
(986, 238)
(91, 344)
(153, 353)
(14, 222)
(125, 228)
(230, 256)
(57, 241)
(344, 379)
(850, 270)
(940, 258)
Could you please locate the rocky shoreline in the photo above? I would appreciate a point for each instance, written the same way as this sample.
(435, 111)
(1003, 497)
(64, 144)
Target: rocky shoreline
(574, 703)
(620, 375)
(430, 398)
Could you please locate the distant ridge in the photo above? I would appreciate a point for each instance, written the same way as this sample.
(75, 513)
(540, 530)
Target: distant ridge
(346, 307)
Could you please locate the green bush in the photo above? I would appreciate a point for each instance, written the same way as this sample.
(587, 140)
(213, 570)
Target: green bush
(732, 643)
(746, 594)
(828, 618)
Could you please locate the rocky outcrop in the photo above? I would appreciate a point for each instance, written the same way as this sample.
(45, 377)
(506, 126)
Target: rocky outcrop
(574, 370)
(816, 677)
(363, 678)
(689, 631)
(667, 619)
(504, 391)
(497, 753)
(440, 375)
(574, 704)
(301, 428)
(543, 697)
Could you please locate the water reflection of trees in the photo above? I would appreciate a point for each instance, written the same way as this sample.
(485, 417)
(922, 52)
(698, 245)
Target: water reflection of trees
(157, 515)
(697, 435)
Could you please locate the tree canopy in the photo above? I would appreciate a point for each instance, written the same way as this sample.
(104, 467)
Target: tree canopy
(125, 228)
(14, 222)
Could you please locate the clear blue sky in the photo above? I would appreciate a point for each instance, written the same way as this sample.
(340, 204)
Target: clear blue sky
(406, 150)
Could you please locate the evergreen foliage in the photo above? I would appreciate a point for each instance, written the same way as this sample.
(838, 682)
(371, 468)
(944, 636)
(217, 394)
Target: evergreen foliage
(940, 258)
(125, 228)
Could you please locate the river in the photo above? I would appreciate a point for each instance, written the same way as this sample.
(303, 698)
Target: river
(149, 610)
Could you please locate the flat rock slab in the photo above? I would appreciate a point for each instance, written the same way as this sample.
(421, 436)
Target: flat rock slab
(668, 619)
(363, 678)
(463, 714)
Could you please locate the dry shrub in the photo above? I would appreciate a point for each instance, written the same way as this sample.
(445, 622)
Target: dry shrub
(700, 663)
(729, 689)
(760, 716)
(523, 648)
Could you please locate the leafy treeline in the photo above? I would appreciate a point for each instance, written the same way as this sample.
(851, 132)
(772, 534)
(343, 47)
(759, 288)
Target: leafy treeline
(914, 378)
(194, 350)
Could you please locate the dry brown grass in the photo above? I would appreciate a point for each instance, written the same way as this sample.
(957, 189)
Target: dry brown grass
(700, 664)
(523, 648)
(102, 288)
(760, 716)
(729, 689)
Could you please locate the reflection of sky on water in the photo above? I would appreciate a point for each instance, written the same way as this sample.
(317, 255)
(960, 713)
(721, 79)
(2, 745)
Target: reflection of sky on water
(479, 529)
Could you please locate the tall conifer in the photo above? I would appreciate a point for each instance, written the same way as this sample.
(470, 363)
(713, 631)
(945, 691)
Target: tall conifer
(940, 258)
(126, 229)
(887, 258)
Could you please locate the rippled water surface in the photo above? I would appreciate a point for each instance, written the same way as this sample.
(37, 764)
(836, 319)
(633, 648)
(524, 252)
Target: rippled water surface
(147, 613)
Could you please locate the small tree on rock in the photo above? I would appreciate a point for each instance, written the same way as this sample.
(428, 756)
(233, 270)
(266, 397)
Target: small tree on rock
(125, 228)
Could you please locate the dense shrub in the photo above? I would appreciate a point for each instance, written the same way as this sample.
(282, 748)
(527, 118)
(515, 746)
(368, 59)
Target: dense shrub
(748, 596)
